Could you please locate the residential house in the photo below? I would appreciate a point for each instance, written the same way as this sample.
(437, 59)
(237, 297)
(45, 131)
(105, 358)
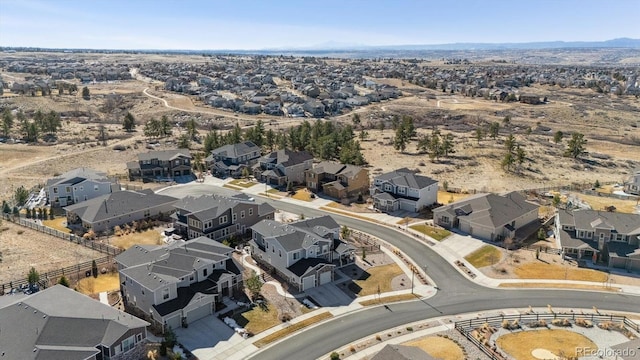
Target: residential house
(60, 323)
(174, 285)
(402, 189)
(283, 166)
(77, 185)
(337, 180)
(632, 185)
(230, 160)
(611, 237)
(490, 217)
(401, 352)
(161, 165)
(305, 253)
(103, 213)
(218, 217)
(315, 108)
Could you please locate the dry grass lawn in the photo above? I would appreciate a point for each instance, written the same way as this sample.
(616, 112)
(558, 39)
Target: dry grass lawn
(242, 183)
(258, 320)
(104, 282)
(485, 256)
(148, 237)
(435, 233)
(438, 347)
(59, 224)
(302, 194)
(228, 186)
(600, 202)
(379, 278)
(347, 213)
(292, 328)
(530, 285)
(560, 342)
(540, 270)
(445, 197)
(389, 299)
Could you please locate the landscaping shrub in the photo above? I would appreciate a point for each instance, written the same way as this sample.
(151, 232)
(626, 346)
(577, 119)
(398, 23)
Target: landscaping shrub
(334, 356)
(584, 323)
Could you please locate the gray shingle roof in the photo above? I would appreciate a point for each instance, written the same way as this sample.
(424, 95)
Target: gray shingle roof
(626, 224)
(117, 204)
(299, 234)
(164, 155)
(78, 175)
(490, 209)
(60, 323)
(287, 157)
(236, 150)
(207, 207)
(408, 178)
(402, 352)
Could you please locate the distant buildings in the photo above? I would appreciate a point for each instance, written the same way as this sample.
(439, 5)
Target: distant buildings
(632, 185)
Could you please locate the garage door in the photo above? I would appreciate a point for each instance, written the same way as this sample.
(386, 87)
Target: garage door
(325, 277)
(308, 282)
(174, 322)
(408, 206)
(198, 313)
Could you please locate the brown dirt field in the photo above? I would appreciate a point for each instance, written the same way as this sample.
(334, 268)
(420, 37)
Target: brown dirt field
(32, 248)
(560, 342)
(601, 202)
(438, 347)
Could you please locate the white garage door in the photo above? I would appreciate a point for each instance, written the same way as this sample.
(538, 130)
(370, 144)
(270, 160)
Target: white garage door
(174, 322)
(325, 277)
(408, 206)
(198, 313)
(308, 282)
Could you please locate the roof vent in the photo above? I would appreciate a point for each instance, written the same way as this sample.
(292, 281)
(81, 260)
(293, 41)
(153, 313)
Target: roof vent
(44, 316)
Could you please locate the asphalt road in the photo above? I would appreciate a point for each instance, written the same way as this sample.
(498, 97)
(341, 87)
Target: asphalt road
(456, 293)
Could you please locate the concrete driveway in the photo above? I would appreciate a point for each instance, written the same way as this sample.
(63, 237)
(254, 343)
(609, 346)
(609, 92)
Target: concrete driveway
(462, 245)
(208, 337)
(329, 295)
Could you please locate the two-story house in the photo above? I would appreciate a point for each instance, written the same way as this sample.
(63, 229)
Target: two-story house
(78, 185)
(218, 217)
(611, 237)
(402, 189)
(174, 285)
(161, 165)
(283, 166)
(490, 217)
(632, 185)
(230, 160)
(305, 252)
(60, 323)
(105, 212)
(337, 180)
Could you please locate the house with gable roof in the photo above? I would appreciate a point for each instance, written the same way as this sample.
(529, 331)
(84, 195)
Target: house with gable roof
(161, 165)
(231, 159)
(60, 323)
(283, 166)
(305, 253)
(403, 189)
(337, 180)
(611, 237)
(218, 217)
(78, 185)
(174, 285)
(490, 217)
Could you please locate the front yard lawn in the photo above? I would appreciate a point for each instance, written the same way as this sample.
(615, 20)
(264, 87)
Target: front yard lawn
(541, 270)
(302, 194)
(292, 328)
(374, 278)
(242, 183)
(485, 256)
(104, 282)
(258, 319)
(435, 233)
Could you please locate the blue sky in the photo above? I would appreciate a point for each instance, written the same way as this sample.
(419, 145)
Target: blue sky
(260, 24)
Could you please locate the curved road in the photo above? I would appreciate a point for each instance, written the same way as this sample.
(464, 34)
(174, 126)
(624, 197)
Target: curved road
(456, 293)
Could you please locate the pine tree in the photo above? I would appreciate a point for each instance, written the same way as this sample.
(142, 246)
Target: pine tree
(129, 122)
(575, 146)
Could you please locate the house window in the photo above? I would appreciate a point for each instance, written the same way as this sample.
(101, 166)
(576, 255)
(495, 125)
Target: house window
(204, 272)
(95, 188)
(165, 293)
(128, 344)
(142, 291)
(296, 256)
(191, 277)
(68, 189)
(580, 234)
(242, 214)
(387, 187)
(223, 219)
(138, 337)
(250, 211)
(401, 190)
(147, 213)
(445, 219)
(55, 190)
(235, 217)
(280, 253)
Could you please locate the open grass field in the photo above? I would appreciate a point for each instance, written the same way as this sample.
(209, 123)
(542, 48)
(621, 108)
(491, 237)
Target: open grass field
(23, 248)
(258, 319)
(541, 270)
(147, 237)
(435, 233)
(485, 256)
(438, 347)
(59, 224)
(520, 345)
(104, 282)
(601, 202)
(379, 277)
(292, 328)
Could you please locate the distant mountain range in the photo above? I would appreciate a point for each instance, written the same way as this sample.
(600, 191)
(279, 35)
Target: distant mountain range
(614, 43)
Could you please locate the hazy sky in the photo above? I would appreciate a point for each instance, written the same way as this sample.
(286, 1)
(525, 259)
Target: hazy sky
(260, 24)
